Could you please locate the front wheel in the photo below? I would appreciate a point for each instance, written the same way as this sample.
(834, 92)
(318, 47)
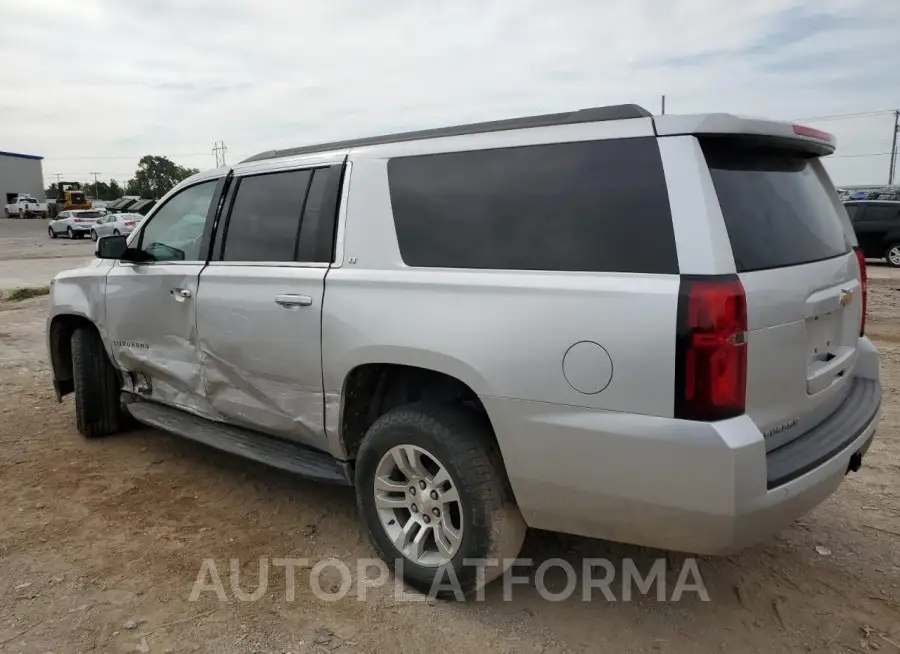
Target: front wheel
(433, 495)
(892, 255)
(97, 407)
(51, 232)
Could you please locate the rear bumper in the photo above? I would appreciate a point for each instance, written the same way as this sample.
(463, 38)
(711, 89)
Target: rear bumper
(707, 488)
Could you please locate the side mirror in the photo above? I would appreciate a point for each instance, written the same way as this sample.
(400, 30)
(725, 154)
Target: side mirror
(112, 247)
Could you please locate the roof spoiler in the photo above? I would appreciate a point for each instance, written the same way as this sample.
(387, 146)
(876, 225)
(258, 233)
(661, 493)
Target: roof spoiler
(794, 137)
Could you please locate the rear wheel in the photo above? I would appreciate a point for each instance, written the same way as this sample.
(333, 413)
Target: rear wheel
(93, 235)
(70, 233)
(432, 493)
(892, 255)
(97, 408)
(115, 232)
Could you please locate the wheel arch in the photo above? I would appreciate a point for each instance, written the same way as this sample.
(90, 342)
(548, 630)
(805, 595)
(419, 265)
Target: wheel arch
(371, 389)
(59, 343)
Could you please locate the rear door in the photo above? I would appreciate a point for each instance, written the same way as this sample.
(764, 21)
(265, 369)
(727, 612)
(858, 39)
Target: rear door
(882, 221)
(259, 304)
(792, 247)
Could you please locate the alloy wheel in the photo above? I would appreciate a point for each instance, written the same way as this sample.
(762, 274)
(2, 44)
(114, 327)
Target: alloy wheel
(418, 505)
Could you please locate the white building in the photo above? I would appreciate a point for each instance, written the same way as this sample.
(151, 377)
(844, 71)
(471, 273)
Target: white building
(20, 173)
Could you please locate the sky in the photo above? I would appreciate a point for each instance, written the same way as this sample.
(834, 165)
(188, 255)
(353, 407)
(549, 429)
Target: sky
(93, 85)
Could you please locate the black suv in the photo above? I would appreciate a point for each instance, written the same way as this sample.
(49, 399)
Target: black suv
(877, 227)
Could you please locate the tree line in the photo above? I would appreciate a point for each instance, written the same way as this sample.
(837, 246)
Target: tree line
(154, 177)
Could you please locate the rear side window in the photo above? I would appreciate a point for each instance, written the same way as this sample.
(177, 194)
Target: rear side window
(777, 205)
(587, 206)
(882, 212)
(264, 222)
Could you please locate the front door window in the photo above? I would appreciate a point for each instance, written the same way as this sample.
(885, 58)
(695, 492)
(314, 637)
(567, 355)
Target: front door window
(174, 233)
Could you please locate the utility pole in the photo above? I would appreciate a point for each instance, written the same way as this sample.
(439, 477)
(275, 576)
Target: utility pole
(664, 105)
(219, 151)
(894, 147)
(96, 187)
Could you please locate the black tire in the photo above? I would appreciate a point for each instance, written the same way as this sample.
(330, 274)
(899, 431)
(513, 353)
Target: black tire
(97, 385)
(895, 261)
(462, 442)
(70, 233)
(51, 232)
(93, 235)
(115, 232)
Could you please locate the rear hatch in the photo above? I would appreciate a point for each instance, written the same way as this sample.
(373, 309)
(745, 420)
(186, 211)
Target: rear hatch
(793, 250)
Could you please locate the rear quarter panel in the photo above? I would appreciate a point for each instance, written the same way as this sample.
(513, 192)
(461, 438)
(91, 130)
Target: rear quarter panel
(504, 333)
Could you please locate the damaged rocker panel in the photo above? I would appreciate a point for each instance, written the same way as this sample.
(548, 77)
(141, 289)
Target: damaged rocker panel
(247, 443)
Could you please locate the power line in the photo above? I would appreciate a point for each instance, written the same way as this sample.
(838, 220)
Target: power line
(865, 154)
(844, 116)
(124, 156)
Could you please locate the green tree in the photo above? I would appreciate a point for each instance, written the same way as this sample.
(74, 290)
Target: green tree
(51, 190)
(155, 176)
(115, 191)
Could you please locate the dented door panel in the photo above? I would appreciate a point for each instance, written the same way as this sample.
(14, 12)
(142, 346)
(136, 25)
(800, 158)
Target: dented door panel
(150, 316)
(260, 347)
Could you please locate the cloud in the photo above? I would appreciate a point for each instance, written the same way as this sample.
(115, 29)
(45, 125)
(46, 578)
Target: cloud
(123, 79)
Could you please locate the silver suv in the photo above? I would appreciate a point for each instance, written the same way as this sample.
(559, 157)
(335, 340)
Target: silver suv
(637, 328)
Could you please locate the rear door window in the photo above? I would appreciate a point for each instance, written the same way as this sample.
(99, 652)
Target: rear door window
(264, 222)
(584, 206)
(777, 205)
(853, 212)
(882, 212)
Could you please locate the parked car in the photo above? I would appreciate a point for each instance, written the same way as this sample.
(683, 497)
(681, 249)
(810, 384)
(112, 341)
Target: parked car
(26, 206)
(877, 227)
(114, 224)
(636, 328)
(74, 223)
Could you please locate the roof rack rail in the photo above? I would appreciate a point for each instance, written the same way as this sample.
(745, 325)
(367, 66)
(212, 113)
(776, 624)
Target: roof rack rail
(591, 115)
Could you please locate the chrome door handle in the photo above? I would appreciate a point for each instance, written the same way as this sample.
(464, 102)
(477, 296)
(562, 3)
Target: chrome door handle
(180, 294)
(288, 301)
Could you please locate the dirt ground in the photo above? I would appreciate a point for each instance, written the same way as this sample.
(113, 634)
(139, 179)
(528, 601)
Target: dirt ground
(101, 541)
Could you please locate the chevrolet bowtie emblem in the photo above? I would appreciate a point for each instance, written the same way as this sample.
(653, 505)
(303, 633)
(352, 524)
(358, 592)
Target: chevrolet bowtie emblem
(846, 297)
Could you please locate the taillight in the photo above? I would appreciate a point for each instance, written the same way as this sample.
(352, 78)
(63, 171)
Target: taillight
(129, 223)
(864, 285)
(711, 348)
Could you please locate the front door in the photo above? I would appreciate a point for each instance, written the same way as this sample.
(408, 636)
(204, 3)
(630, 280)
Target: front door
(150, 306)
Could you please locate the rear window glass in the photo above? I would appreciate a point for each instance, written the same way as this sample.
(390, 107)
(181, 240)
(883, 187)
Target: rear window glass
(586, 206)
(778, 206)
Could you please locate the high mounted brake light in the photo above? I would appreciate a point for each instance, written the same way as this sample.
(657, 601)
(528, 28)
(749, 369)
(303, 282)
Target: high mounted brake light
(711, 348)
(811, 132)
